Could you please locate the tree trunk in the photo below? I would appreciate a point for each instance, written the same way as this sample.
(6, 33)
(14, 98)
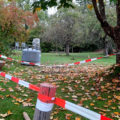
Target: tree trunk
(72, 49)
(118, 58)
(67, 49)
(113, 32)
(110, 50)
(118, 49)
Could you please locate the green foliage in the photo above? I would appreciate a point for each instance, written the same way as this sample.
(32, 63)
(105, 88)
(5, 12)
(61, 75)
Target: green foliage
(24, 4)
(5, 43)
(14, 24)
(46, 46)
(44, 4)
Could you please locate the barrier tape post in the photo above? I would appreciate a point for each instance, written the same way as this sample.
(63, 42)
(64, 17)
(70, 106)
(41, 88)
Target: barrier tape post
(44, 104)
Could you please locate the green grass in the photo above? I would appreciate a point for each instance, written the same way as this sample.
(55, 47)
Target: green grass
(35, 76)
(56, 58)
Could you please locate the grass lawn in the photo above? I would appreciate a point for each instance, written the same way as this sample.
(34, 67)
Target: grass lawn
(82, 85)
(56, 58)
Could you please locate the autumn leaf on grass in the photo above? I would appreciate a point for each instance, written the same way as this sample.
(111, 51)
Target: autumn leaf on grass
(99, 98)
(1, 97)
(92, 104)
(77, 118)
(25, 104)
(17, 103)
(2, 89)
(10, 89)
(117, 97)
(117, 113)
(6, 114)
(68, 116)
(115, 80)
(19, 100)
(113, 108)
(9, 112)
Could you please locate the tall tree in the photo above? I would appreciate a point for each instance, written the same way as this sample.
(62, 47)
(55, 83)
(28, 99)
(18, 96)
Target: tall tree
(99, 7)
(62, 28)
(12, 24)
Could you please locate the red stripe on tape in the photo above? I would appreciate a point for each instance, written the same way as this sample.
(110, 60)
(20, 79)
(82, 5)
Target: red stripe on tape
(89, 60)
(32, 63)
(76, 63)
(44, 98)
(9, 58)
(15, 79)
(2, 74)
(99, 57)
(60, 102)
(66, 64)
(104, 118)
(0, 55)
(111, 54)
(34, 87)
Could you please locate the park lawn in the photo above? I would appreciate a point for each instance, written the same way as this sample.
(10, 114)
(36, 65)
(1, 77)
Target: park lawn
(83, 87)
(56, 58)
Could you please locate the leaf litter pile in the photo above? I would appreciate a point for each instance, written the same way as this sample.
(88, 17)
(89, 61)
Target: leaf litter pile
(92, 86)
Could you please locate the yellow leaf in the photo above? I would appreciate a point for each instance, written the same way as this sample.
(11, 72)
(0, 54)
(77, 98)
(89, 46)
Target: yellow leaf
(117, 97)
(91, 104)
(117, 113)
(9, 112)
(90, 6)
(16, 103)
(77, 118)
(38, 9)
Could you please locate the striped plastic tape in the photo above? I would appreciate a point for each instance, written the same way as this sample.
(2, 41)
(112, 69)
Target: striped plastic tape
(72, 64)
(43, 106)
(91, 115)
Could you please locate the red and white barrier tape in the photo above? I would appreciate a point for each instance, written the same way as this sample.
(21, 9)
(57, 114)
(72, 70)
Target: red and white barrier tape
(23, 62)
(64, 65)
(88, 60)
(60, 102)
(43, 105)
(80, 110)
(20, 82)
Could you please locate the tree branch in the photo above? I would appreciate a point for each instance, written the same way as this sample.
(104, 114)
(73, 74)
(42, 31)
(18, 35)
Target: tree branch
(107, 28)
(102, 9)
(118, 12)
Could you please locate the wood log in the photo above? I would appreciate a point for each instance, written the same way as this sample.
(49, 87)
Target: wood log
(26, 117)
(43, 107)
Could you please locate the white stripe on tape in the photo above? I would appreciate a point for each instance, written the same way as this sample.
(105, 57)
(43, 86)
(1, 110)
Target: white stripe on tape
(26, 62)
(45, 107)
(38, 64)
(3, 56)
(82, 111)
(24, 83)
(82, 61)
(70, 64)
(8, 76)
(93, 59)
